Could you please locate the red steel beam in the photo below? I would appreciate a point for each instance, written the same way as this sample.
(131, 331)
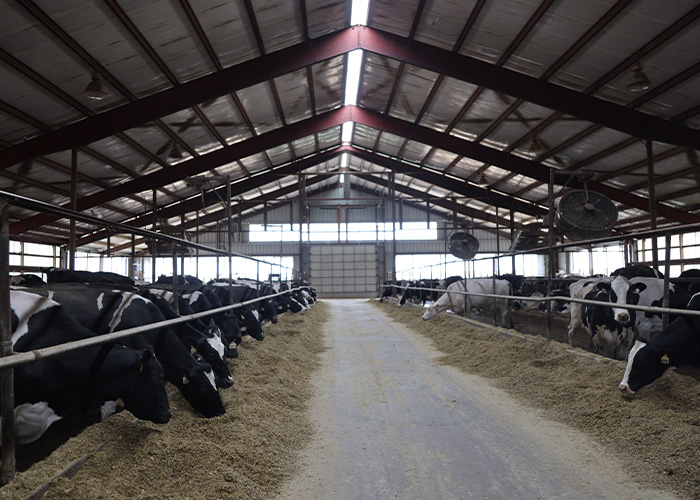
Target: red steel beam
(293, 58)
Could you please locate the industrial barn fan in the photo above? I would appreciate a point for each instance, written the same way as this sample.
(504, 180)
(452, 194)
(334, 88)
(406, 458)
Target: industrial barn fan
(463, 245)
(585, 215)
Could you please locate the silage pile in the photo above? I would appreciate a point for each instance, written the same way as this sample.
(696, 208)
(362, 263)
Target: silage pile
(656, 434)
(244, 454)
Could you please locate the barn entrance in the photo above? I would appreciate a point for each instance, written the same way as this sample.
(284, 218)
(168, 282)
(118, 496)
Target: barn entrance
(344, 270)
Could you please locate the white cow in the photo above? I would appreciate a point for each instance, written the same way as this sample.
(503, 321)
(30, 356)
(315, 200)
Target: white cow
(458, 302)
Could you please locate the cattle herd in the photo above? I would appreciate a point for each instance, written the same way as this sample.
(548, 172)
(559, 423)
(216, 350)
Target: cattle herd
(613, 329)
(131, 373)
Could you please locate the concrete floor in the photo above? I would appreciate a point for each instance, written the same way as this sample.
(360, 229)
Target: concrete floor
(393, 423)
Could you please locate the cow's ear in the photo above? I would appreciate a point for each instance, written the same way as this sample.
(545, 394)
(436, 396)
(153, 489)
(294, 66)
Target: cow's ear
(639, 287)
(146, 357)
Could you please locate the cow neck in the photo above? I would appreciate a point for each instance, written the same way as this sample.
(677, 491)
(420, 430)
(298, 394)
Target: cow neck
(95, 367)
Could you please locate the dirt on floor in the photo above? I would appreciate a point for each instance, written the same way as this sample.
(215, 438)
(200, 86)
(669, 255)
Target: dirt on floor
(656, 434)
(244, 454)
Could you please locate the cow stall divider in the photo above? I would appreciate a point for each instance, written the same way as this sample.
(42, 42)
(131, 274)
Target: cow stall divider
(9, 359)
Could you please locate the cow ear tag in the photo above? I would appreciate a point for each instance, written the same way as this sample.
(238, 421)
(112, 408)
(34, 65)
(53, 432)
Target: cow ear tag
(665, 360)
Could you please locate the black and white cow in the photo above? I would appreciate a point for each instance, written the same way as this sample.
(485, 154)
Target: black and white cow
(52, 388)
(459, 302)
(614, 328)
(102, 309)
(290, 301)
(26, 280)
(610, 329)
(224, 320)
(422, 291)
(637, 271)
(248, 289)
(197, 335)
(676, 345)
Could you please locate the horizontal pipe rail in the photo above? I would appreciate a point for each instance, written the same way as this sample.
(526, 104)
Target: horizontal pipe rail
(117, 227)
(23, 358)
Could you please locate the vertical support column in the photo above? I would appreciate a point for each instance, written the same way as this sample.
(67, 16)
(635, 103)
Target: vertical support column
(230, 239)
(7, 384)
(175, 305)
(73, 206)
(182, 235)
(132, 260)
(652, 203)
(392, 183)
(667, 274)
(498, 246)
(154, 242)
(550, 244)
(196, 250)
(301, 223)
(512, 238)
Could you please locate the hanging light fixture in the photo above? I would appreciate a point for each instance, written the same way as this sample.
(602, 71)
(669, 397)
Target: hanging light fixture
(638, 79)
(95, 89)
(535, 147)
(483, 181)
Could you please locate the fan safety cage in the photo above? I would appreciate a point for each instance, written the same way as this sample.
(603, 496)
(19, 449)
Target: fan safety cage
(463, 246)
(584, 215)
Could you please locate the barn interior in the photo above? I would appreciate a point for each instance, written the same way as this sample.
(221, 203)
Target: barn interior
(349, 143)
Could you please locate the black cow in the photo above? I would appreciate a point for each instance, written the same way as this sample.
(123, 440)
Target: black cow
(181, 280)
(677, 345)
(692, 286)
(387, 290)
(104, 310)
(637, 271)
(66, 276)
(54, 387)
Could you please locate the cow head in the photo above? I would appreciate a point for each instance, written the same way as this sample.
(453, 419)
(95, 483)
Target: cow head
(144, 394)
(645, 364)
(250, 320)
(199, 388)
(268, 310)
(622, 292)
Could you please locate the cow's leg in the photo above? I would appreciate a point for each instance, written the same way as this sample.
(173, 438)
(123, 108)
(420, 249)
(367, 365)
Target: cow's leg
(575, 321)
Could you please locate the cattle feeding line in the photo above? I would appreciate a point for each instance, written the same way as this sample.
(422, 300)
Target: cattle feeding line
(654, 309)
(22, 358)
(9, 359)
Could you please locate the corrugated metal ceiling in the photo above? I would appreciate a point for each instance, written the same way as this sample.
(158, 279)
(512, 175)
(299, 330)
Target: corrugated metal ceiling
(253, 89)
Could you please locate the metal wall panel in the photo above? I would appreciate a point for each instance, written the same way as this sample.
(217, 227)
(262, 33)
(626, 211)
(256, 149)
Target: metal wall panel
(344, 270)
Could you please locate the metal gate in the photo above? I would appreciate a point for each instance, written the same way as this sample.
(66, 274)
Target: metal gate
(344, 270)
